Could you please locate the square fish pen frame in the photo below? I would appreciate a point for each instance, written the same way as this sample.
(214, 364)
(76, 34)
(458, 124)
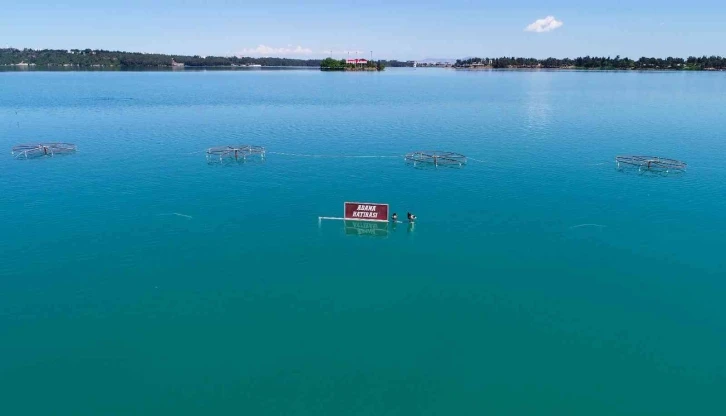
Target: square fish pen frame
(236, 153)
(30, 151)
(650, 164)
(436, 158)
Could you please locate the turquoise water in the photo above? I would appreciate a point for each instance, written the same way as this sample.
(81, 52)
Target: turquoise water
(537, 280)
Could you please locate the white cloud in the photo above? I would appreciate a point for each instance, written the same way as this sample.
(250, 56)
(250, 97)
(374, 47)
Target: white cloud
(352, 53)
(264, 50)
(547, 24)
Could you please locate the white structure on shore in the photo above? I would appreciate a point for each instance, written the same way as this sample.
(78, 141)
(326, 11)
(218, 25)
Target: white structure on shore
(437, 64)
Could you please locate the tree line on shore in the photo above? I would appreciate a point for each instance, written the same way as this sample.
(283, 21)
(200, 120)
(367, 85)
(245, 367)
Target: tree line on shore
(330, 64)
(120, 59)
(594, 62)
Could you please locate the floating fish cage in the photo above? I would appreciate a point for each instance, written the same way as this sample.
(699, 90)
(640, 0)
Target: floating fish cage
(651, 164)
(235, 153)
(31, 151)
(436, 158)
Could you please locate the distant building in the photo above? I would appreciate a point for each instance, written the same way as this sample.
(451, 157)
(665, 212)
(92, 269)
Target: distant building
(356, 61)
(431, 64)
(176, 64)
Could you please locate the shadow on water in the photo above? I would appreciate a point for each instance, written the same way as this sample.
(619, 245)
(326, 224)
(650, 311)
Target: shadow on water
(229, 161)
(431, 166)
(366, 228)
(652, 173)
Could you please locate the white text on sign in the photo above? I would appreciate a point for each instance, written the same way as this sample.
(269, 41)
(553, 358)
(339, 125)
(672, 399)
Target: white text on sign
(365, 211)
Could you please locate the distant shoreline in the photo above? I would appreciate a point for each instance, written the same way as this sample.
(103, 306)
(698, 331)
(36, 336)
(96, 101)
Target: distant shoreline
(104, 60)
(692, 63)
(583, 69)
(114, 60)
(12, 69)
(38, 68)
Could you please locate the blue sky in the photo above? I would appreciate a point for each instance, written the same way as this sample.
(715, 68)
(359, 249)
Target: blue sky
(402, 29)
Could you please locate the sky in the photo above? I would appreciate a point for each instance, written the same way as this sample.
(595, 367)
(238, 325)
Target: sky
(390, 29)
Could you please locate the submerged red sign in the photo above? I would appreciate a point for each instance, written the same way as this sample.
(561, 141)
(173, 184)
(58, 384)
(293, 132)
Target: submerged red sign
(366, 211)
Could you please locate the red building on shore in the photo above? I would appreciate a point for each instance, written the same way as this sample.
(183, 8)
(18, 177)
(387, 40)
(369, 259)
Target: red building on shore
(356, 61)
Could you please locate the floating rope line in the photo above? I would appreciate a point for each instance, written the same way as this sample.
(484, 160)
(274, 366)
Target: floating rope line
(178, 214)
(431, 158)
(334, 156)
(348, 219)
(707, 167)
(588, 225)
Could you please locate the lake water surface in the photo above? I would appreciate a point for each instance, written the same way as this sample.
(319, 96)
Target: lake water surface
(538, 279)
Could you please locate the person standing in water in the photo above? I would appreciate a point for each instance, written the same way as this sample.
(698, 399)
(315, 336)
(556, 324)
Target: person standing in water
(411, 217)
(394, 217)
